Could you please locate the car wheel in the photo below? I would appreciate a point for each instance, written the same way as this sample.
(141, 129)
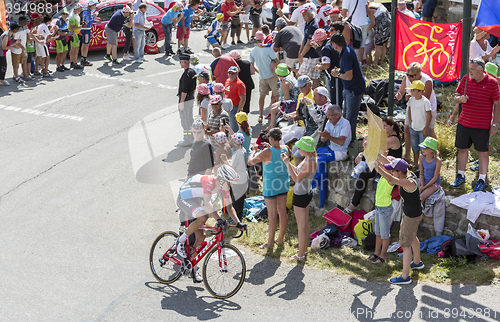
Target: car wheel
(151, 37)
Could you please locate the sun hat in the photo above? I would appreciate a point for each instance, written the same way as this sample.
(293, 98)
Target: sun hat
(241, 117)
(234, 54)
(219, 88)
(203, 89)
(219, 16)
(193, 59)
(280, 23)
(233, 69)
(65, 11)
(259, 35)
(397, 164)
(220, 137)
(282, 70)
(308, 7)
(491, 69)
(418, 84)
(319, 35)
(306, 143)
(303, 80)
(238, 138)
(478, 33)
(216, 99)
(430, 143)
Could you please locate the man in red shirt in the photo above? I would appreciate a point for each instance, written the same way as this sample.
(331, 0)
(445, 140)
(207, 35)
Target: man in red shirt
(235, 89)
(480, 98)
(229, 9)
(221, 65)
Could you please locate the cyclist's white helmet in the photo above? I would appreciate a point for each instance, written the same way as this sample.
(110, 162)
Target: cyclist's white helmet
(227, 173)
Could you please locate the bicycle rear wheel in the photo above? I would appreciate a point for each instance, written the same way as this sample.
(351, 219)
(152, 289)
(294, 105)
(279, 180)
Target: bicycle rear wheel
(224, 282)
(163, 270)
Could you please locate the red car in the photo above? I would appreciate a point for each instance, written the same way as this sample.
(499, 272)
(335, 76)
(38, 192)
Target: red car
(106, 10)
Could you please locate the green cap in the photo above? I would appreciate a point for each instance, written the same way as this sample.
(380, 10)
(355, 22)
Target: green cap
(282, 70)
(491, 69)
(430, 143)
(306, 143)
(65, 11)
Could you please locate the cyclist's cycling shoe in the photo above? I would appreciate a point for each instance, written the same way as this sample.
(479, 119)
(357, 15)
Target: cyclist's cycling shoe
(197, 278)
(181, 248)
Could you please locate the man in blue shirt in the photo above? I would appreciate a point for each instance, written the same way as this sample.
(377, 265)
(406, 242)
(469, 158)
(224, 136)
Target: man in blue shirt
(308, 57)
(338, 132)
(352, 78)
(184, 27)
(169, 19)
(88, 16)
(114, 26)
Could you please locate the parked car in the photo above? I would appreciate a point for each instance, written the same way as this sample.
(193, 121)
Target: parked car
(106, 10)
(267, 15)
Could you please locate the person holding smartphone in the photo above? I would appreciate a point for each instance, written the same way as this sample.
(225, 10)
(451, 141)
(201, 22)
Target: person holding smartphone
(218, 118)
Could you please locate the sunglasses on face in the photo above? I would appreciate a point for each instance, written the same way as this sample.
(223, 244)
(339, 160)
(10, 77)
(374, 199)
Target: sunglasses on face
(410, 75)
(197, 132)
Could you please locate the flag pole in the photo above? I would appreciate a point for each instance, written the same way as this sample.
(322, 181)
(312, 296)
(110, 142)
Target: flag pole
(392, 58)
(466, 31)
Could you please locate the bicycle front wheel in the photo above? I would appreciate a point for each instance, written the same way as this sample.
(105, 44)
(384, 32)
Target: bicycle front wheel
(226, 279)
(164, 270)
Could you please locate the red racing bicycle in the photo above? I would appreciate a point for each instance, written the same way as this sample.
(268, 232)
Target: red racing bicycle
(224, 268)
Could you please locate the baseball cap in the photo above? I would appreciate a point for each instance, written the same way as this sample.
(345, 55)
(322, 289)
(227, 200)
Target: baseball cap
(234, 54)
(259, 35)
(397, 164)
(35, 16)
(197, 124)
(303, 80)
(193, 59)
(280, 23)
(241, 117)
(334, 11)
(430, 143)
(323, 91)
(282, 70)
(233, 69)
(418, 84)
(491, 69)
(203, 89)
(77, 6)
(306, 143)
(308, 7)
(319, 35)
(65, 11)
(92, 2)
(126, 9)
(219, 16)
(216, 99)
(218, 87)
(238, 138)
(202, 73)
(220, 137)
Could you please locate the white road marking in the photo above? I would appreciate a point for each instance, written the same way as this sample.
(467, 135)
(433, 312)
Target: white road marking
(41, 113)
(127, 80)
(75, 94)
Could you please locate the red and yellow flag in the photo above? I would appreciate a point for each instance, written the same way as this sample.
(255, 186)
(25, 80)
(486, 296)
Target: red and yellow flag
(436, 46)
(3, 16)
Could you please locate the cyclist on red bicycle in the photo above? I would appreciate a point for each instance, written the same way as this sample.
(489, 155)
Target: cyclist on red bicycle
(195, 200)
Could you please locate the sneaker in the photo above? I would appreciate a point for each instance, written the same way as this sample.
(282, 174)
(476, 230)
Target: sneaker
(181, 248)
(108, 57)
(475, 168)
(86, 63)
(459, 180)
(171, 52)
(71, 65)
(127, 57)
(65, 68)
(197, 278)
(29, 78)
(315, 191)
(179, 51)
(145, 59)
(260, 119)
(399, 280)
(139, 61)
(415, 266)
(46, 75)
(480, 185)
(167, 54)
(77, 66)
(19, 80)
(240, 42)
(208, 45)
(233, 43)
(4, 83)
(60, 69)
(188, 51)
(116, 62)
(37, 74)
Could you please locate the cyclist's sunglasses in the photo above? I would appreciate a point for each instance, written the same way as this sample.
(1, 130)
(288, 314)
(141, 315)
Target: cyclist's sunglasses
(479, 62)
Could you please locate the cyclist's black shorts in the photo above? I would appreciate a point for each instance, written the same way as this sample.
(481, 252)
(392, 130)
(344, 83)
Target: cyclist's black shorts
(190, 208)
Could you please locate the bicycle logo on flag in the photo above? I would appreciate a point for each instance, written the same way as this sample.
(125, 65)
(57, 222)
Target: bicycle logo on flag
(427, 49)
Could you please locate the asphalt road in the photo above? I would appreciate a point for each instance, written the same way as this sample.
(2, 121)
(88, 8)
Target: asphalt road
(84, 193)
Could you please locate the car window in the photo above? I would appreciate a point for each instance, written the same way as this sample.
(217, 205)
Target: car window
(106, 12)
(152, 11)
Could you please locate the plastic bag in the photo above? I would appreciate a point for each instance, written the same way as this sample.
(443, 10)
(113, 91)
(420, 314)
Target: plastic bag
(482, 234)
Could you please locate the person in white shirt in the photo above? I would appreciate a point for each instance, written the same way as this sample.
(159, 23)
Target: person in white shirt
(419, 115)
(323, 13)
(42, 51)
(480, 46)
(19, 54)
(296, 19)
(360, 18)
